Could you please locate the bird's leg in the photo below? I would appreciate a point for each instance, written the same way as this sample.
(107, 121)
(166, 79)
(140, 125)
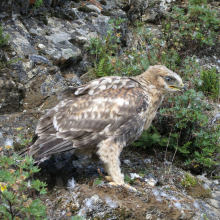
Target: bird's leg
(109, 154)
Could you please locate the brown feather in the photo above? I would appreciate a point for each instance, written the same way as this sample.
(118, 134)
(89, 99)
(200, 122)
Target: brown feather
(110, 108)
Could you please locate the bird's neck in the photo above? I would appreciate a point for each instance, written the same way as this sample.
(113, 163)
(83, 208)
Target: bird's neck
(146, 85)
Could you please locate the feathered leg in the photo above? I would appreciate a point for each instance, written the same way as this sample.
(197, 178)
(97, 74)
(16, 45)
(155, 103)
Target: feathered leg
(109, 153)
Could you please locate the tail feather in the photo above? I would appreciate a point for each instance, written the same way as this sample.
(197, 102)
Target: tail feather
(45, 147)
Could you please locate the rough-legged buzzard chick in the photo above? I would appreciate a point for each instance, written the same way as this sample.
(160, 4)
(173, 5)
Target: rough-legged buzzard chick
(104, 116)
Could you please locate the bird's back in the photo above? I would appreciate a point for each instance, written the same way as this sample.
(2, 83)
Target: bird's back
(109, 107)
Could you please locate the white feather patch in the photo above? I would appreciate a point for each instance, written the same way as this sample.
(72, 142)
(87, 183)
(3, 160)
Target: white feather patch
(106, 129)
(91, 92)
(78, 91)
(55, 123)
(102, 87)
(120, 101)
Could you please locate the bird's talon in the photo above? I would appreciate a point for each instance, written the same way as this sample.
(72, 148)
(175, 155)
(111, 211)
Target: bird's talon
(129, 187)
(113, 184)
(109, 178)
(124, 185)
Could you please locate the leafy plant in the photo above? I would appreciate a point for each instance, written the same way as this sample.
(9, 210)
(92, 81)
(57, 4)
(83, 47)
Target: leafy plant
(16, 187)
(187, 128)
(38, 4)
(189, 181)
(210, 84)
(76, 217)
(197, 141)
(99, 180)
(149, 138)
(3, 37)
(128, 179)
(195, 26)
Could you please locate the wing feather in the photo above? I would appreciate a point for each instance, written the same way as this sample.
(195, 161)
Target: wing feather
(108, 107)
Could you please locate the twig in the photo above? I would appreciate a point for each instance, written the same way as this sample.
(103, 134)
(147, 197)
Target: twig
(101, 174)
(174, 154)
(165, 157)
(157, 162)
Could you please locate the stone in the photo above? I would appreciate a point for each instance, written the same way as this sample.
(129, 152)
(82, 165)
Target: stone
(204, 179)
(24, 6)
(214, 203)
(40, 88)
(94, 8)
(18, 38)
(6, 7)
(10, 96)
(152, 15)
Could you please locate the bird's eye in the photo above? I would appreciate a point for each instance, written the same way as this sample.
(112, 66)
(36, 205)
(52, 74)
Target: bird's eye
(168, 79)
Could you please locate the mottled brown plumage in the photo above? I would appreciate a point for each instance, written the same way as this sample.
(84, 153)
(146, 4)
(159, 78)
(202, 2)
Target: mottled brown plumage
(104, 116)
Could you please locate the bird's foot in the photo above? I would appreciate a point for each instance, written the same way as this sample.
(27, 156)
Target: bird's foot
(124, 185)
(109, 178)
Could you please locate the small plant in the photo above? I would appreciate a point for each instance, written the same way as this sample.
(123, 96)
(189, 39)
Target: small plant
(129, 180)
(189, 181)
(38, 4)
(16, 187)
(210, 84)
(76, 217)
(186, 116)
(194, 28)
(3, 37)
(151, 137)
(99, 180)
(197, 141)
(3, 44)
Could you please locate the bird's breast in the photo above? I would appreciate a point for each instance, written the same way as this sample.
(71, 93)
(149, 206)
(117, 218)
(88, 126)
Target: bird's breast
(152, 111)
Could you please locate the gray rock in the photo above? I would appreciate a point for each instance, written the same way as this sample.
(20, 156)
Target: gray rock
(94, 8)
(10, 96)
(204, 179)
(41, 87)
(19, 39)
(58, 2)
(10, 93)
(24, 6)
(214, 203)
(6, 7)
(152, 15)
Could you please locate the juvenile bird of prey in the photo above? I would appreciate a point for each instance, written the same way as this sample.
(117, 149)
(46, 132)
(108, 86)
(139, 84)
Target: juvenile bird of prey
(104, 116)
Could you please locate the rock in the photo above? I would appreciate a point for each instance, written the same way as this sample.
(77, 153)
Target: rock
(10, 93)
(78, 39)
(70, 55)
(59, 182)
(135, 176)
(127, 162)
(89, 8)
(37, 59)
(41, 88)
(204, 179)
(152, 15)
(10, 96)
(24, 6)
(58, 2)
(26, 120)
(6, 7)
(216, 195)
(214, 203)
(151, 181)
(94, 8)
(19, 39)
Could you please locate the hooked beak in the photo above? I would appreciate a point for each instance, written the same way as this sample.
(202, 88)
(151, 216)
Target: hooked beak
(182, 88)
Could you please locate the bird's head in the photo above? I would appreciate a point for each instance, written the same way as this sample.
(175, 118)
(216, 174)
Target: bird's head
(164, 79)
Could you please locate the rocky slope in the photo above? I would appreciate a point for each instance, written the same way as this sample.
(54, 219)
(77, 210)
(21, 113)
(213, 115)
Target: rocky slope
(48, 52)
